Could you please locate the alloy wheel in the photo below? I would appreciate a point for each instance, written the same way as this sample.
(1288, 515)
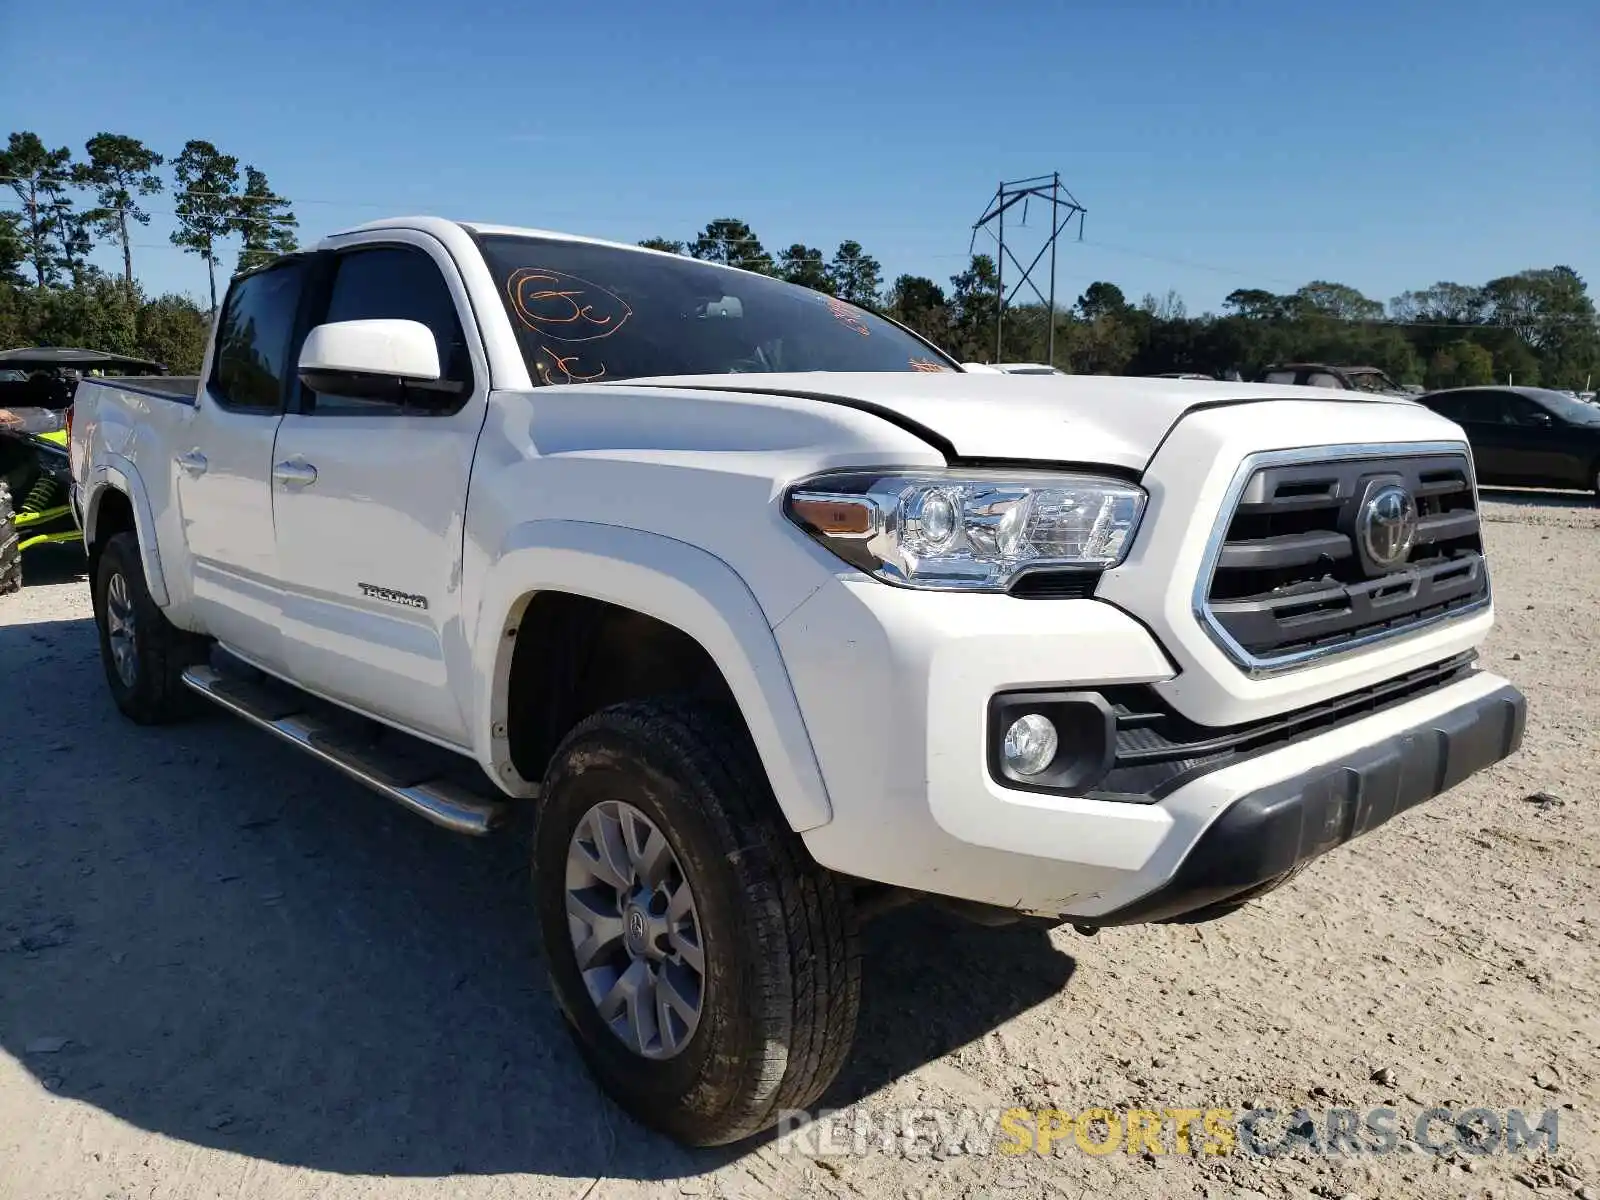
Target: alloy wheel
(121, 630)
(635, 930)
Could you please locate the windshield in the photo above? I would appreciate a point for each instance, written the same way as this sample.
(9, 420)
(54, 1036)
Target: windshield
(1573, 412)
(585, 313)
(1372, 381)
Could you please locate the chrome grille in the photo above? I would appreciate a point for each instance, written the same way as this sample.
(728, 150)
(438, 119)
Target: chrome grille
(1296, 577)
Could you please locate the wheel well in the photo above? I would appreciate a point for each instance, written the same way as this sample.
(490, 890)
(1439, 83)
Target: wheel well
(113, 514)
(575, 655)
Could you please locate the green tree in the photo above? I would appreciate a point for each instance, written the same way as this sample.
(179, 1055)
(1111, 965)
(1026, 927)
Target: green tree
(74, 237)
(856, 276)
(1444, 302)
(919, 304)
(37, 176)
(99, 313)
(119, 170)
(1463, 363)
(264, 221)
(1336, 300)
(1551, 311)
(11, 250)
(804, 265)
(173, 330)
(730, 241)
(659, 243)
(207, 203)
(974, 305)
(1255, 304)
(1101, 299)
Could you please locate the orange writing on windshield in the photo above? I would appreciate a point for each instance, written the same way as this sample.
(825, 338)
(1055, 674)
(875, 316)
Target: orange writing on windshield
(846, 315)
(563, 307)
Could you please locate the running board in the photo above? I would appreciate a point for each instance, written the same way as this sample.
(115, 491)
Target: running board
(274, 709)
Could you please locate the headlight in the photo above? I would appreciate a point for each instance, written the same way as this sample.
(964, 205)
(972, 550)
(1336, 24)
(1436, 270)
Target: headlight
(968, 530)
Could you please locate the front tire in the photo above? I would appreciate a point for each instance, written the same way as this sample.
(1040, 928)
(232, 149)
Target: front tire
(144, 654)
(10, 545)
(720, 972)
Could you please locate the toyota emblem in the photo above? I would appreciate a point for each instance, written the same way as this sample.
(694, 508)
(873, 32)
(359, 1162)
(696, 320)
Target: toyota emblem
(1387, 526)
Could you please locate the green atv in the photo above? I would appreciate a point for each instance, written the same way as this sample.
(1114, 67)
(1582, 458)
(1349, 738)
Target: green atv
(36, 389)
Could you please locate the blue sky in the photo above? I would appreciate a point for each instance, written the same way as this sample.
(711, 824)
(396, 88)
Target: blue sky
(1216, 145)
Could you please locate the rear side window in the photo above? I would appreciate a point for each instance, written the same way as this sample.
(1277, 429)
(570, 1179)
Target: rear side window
(1280, 377)
(253, 334)
(395, 283)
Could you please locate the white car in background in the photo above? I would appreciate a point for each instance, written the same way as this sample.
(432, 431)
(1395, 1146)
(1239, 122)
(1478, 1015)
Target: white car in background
(1025, 368)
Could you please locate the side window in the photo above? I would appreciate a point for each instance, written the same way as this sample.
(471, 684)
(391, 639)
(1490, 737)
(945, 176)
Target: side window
(1323, 379)
(1522, 411)
(1279, 377)
(1476, 408)
(394, 283)
(252, 351)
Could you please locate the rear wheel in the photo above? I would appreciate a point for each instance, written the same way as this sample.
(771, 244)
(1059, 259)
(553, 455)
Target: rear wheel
(10, 545)
(707, 967)
(144, 654)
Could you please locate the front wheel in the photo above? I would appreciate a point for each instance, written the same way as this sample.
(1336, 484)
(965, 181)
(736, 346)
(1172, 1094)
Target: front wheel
(707, 967)
(144, 654)
(10, 545)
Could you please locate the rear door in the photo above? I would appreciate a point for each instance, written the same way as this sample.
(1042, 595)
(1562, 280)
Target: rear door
(370, 501)
(223, 462)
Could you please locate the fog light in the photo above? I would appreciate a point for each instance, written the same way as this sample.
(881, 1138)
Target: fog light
(1030, 744)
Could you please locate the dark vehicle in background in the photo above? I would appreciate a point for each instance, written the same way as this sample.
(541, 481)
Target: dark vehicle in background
(36, 389)
(1524, 436)
(1354, 379)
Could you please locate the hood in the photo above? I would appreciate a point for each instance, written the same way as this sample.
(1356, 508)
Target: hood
(1114, 420)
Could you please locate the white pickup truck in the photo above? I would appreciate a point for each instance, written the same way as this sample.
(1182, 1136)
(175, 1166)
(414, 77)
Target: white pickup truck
(775, 615)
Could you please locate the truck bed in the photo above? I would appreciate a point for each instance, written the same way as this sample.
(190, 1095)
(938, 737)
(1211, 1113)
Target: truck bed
(181, 388)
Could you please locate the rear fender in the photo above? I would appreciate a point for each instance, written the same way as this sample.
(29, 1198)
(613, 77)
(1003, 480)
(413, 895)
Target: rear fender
(117, 474)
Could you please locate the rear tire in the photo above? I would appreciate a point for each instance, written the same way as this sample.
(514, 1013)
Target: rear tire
(144, 654)
(776, 982)
(10, 545)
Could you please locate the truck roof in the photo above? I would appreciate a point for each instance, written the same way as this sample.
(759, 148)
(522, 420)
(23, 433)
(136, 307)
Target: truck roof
(437, 225)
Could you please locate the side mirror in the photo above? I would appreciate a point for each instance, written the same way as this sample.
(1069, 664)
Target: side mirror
(376, 360)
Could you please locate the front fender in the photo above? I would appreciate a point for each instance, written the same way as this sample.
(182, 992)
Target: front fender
(118, 474)
(674, 582)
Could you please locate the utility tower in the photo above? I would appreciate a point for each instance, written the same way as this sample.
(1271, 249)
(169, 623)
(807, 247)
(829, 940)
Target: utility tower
(1064, 206)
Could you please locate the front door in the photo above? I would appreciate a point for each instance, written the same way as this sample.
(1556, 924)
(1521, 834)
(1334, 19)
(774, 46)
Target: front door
(369, 500)
(224, 462)
(1546, 453)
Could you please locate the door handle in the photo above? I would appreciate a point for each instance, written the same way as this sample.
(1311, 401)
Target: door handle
(193, 462)
(294, 473)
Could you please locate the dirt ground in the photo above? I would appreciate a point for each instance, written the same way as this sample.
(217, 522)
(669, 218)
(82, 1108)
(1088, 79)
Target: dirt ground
(227, 972)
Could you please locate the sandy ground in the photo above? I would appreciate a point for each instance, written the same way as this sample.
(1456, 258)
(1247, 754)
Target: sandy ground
(227, 972)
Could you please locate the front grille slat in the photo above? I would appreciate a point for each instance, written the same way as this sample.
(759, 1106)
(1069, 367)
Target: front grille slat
(1293, 574)
(1157, 748)
(1285, 550)
(1442, 527)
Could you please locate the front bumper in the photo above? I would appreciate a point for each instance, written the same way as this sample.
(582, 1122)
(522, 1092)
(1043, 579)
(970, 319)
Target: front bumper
(1269, 832)
(895, 686)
